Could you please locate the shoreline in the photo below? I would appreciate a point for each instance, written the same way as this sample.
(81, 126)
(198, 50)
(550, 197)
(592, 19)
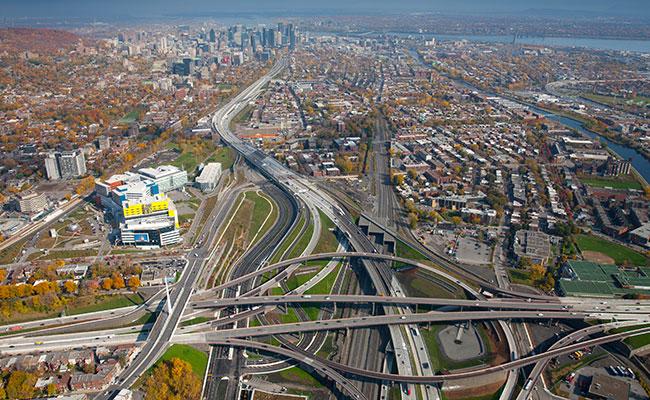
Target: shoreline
(643, 182)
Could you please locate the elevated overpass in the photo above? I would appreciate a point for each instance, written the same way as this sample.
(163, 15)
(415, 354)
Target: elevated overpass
(515, 364)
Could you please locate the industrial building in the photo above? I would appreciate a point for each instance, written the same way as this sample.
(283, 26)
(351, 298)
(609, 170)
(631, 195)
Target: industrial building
(641, 235)
(536, 246)
(209, 177)
(608, 388)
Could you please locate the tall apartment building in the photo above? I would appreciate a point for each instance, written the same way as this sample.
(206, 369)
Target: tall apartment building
(52, 168)
(65, 165)
(103, 143)
(616, 167)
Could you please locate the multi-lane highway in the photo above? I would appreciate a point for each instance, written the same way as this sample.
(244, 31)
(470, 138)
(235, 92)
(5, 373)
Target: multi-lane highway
(247, 264)
(290, 193)
(167, 321)
(589, 307)
(574, 337)
(522, 362)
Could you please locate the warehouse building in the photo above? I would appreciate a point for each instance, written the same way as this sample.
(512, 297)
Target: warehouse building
(209, 177)
(536, 246)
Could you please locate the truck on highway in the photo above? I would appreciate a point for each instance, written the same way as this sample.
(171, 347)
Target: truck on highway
(528, 385)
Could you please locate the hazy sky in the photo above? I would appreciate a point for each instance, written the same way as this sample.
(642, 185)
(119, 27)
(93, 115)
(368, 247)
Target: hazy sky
(155, 8)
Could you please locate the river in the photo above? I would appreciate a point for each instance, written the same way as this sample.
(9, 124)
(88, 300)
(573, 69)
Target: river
(640, 46)
(638, 161)
(633, 45)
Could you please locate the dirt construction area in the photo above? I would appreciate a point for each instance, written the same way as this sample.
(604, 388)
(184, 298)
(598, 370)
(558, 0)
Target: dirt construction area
(597, 257)
(261, 395)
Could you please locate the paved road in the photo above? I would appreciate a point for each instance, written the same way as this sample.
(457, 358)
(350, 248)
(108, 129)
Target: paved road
(573, 337)
(41, 225)
(386, 207)
(381, 320)
(245, 266)
(496, 304)
(267, 165)
(311, 363)
(166, 322)
(446, 377)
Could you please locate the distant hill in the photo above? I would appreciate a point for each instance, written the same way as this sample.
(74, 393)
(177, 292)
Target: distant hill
(41, 41)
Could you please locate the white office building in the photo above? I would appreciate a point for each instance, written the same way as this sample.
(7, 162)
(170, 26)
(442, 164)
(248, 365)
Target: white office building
(168, 177)
(209, 177)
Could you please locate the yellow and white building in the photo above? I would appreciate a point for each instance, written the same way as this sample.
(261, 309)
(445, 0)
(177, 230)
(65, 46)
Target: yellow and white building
(150, 221)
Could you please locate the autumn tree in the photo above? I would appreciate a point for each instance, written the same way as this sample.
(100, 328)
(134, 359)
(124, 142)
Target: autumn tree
(134, 283)
(524, 262)
(547, 283)
(412, 173)
(173, 379)
(537, 272)
(118, 281)
(69, 286)
(20, 385)
(85, 185)
(52, 389)
(107, 284)
(344, 164)
(413, 220)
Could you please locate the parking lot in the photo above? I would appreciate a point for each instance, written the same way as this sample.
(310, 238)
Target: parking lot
(471, 251)
(578, 387)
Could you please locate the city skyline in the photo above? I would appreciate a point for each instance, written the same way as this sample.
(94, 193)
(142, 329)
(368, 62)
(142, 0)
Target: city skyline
(201, 202)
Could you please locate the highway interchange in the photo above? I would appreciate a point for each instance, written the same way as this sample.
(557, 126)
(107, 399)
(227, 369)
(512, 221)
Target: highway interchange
(294, 195)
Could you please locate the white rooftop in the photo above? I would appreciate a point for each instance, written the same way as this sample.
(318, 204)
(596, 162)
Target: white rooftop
(209, 173)
(159, 172)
